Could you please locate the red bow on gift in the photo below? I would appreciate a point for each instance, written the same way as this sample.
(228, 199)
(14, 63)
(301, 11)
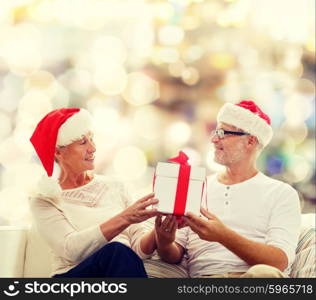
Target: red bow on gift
(183, 183)
(182, 158)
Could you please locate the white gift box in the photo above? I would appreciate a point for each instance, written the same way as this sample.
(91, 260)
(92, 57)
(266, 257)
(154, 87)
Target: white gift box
(165, 188)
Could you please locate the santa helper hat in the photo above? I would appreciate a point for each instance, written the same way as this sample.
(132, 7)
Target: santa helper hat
(246, 115)
(60, 127)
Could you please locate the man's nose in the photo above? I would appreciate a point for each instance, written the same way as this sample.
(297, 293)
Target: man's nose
(214, 139)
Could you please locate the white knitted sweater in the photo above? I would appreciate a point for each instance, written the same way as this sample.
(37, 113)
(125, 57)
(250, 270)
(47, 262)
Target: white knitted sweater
(71, 226)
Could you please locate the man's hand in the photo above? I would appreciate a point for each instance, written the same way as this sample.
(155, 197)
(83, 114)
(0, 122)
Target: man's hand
(137, 212)
(212, 229)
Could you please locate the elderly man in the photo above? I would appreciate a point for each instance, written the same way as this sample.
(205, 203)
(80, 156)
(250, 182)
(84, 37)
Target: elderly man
(250, 223)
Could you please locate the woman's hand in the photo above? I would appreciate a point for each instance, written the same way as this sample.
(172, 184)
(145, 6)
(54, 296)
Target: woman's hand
(137, 212)
(166, 229)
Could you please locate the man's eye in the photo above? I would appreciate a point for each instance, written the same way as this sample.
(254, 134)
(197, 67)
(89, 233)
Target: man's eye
(83, 142)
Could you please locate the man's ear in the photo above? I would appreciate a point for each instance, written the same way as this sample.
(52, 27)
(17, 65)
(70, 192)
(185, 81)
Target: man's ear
(252, 141)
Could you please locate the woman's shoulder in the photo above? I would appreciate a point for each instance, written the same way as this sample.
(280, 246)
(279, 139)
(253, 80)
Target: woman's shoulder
(41, 205)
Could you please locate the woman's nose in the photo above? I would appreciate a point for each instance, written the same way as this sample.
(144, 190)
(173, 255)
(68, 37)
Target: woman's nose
(92, 147)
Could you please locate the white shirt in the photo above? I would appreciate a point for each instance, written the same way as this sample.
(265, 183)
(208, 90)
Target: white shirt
(71, 227)
(261, 209)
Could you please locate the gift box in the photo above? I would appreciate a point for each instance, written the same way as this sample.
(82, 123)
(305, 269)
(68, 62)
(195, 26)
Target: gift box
(178, 186)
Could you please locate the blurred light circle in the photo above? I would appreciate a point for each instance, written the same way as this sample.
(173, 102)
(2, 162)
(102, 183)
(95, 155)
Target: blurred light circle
(130, 163)
(297, 131)
(193, 53)
(275, 164)
(288, 147)
(168, 55)
(109, 138)
(11, 92)
(108, 49)
(194, 156)
(176, 68)
(77, 81)
(163, 11)
(171, 35)
(310, 44)
(191, 22)
(222, 61)
(5, 125)
(89, 14)
(178, 133)
(35, 104)
(19, 175)
(96, 102)
(297, 109)
(223, 19)
(6, 12)
(105, 119)
(12, 152)
(306, 86)
(13, 204)
(110, 79)
(190, 76)
(61, 98)
(42, 81)
(292, 58)
(28, 60)
(298, 169)
(140, 39)
(307, 150)
(141, 89)
(147, 122)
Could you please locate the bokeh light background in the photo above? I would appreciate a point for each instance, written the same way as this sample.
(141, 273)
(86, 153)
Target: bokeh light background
(154, 75)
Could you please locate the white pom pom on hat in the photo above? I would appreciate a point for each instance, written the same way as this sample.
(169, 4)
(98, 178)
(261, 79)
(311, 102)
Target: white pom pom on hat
(246, 115)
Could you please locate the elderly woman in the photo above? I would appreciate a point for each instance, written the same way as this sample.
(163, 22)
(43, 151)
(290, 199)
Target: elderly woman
(88, 220)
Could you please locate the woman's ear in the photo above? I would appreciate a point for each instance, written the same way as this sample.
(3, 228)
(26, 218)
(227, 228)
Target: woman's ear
(57, 153)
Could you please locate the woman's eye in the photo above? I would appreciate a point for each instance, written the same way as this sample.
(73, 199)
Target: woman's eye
(83, 142)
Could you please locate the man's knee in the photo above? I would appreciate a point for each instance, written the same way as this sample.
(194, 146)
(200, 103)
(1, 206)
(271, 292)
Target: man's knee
(263, 271)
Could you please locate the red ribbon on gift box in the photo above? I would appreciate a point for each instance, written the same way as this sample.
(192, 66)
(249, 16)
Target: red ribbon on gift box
(183, 183)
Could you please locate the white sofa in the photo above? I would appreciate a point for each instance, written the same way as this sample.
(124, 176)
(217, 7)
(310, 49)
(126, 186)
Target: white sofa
(23, 253)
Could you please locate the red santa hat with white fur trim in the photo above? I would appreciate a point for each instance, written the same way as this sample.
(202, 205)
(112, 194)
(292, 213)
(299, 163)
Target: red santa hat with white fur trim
(246, 115)
(60, 127)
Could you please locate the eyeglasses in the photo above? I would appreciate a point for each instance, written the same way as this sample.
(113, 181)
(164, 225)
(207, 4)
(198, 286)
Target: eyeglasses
(220, 133)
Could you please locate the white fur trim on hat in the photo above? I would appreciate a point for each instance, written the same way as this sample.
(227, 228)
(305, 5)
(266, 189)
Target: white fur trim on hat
(49, 187)
(246, 120)
(77, 125)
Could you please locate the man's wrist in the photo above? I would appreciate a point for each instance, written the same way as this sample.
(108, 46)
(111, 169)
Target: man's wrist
(225, 235)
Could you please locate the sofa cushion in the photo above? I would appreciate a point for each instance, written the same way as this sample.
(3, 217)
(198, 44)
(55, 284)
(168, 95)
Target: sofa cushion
(38, 256)
(12, 250)
(156, 268)
(304, 264)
